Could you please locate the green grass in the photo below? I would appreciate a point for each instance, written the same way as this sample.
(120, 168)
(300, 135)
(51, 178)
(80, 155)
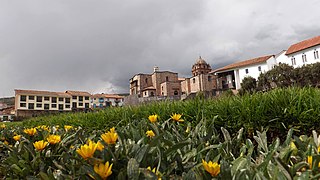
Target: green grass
(277, 110)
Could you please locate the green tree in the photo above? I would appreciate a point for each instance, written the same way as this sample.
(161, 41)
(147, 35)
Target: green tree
(249, 84)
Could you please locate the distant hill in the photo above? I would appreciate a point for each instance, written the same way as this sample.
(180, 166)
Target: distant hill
(8, 100)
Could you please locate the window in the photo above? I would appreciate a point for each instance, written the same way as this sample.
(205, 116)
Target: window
(316, 54)
(46, 106)
(54, 105)
(23, 98)
(31, 106)
(39, 98)
(86, 98)
(74, 105)
(74, 97)
(68, 106)
(60, 106)
(23, 105)
(162, 88)
(209, 78)
(31, 97)
(60, 98)
(145, 93)
(80, 104)
(46, 98)
(86, 105)
(39, 105)
(259, 68)
(94, 105)
(151, 94)
(247, 71)
(194, 80)
(67, 100)
(175, 93)
(293, 60)
(146, 80)
(80, 98)
(167, 78)
(53, 99)
(101, 105)
(304, 58)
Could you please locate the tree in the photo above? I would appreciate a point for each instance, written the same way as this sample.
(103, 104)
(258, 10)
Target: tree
(281, 75)
(249, 84)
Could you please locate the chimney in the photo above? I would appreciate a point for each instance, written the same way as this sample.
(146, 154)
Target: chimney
(155, 69)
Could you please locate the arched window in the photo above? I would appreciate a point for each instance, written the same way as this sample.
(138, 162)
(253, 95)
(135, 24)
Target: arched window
(175, 93)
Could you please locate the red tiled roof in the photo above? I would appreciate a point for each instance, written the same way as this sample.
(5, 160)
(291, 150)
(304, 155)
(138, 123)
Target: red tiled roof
(43, 93)
(78, 93)
(303, 45)
(115, 96)
(243, 63)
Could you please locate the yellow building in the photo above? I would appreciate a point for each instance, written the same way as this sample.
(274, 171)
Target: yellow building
(30, 103)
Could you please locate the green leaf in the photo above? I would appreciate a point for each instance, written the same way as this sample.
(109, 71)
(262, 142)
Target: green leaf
(133, 169)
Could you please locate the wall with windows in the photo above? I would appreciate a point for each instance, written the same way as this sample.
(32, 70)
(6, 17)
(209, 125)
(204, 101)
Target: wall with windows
(252, 70)
(306, 56)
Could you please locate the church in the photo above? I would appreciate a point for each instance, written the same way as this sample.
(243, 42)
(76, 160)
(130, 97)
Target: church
(167, 85)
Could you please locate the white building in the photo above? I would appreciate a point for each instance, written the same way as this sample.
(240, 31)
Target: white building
(106, 100)
(304, 52)
(231, 76)
(297, 55)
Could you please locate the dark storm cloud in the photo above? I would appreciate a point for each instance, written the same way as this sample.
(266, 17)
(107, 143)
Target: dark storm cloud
(99, 45)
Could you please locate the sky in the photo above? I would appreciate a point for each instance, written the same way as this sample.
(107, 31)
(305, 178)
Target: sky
(98, 45)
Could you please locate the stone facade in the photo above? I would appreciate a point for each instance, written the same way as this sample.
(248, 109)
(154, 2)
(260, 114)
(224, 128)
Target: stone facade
(166, 84)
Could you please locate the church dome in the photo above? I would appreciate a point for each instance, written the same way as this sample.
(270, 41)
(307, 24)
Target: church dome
(200, 67)
(201, 61)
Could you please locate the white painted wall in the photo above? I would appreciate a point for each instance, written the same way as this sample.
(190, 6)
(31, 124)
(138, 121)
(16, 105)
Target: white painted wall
(282, 58)
(253, 71)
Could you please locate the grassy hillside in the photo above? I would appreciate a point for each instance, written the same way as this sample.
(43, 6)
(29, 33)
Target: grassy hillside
(278, 110)
(8, 100)
(198, 147)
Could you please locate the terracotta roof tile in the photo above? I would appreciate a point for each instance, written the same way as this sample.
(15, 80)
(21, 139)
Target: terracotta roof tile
(116, 96)
(303, 45)
(243, 63)
(78, 93)
(43, 93)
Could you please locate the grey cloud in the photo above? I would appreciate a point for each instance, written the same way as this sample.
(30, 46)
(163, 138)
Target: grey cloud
(99, 45)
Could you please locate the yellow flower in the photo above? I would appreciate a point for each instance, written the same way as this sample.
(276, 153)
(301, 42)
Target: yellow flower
(99, 144)
(67, 128)
(17, 137)
(177, 117)
(104, 170)
(293, 147)
(87, 151)
(212, 168)
(6, 142)
(54, 139)
(110, 137)
(154, 171)
(43, 127)
(3, 126)
(310, 162)
(153, 118)
(31, 131)
(150, 133)
(40, 145)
